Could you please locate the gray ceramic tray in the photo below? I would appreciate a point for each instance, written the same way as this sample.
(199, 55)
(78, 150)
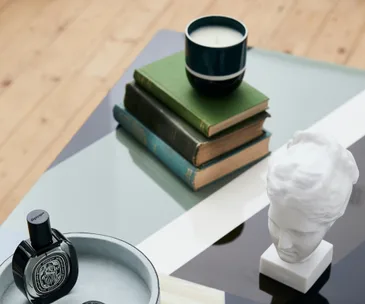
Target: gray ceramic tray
(110, 271)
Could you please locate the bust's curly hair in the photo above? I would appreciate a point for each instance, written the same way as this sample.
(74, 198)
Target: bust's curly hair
(314, 175)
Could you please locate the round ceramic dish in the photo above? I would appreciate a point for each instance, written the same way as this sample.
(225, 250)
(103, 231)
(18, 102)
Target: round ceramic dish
(110, 271)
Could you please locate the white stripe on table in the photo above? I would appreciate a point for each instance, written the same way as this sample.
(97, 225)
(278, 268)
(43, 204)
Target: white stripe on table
(197, 229)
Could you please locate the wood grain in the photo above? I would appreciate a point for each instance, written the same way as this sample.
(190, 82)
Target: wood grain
(338, 37)
(3, 3)
(44, 30)
(299, 27)
(16, 14)
(58, 59)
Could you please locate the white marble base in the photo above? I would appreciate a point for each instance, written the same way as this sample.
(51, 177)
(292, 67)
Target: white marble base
(298, 276)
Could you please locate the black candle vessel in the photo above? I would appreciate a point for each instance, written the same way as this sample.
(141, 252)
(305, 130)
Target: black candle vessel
(215, 54)
(45, 266)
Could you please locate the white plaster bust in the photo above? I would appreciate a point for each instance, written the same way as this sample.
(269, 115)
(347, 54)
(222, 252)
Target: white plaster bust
(309, 187)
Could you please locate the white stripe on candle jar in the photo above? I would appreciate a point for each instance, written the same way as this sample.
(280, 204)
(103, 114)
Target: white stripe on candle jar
(215, 78)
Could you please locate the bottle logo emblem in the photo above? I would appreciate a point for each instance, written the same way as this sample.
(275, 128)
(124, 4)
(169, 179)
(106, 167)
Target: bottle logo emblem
(50, 273)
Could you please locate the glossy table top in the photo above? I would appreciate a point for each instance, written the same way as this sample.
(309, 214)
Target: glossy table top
(236, 257)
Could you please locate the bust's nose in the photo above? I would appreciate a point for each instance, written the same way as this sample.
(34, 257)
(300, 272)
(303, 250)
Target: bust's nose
(284, 240)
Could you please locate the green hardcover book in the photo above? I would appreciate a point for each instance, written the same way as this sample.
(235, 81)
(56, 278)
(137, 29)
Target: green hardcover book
(167, 81)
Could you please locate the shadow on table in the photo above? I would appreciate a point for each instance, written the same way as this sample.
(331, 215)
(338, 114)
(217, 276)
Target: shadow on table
(161, 175)
(230, 236)
(282, 294)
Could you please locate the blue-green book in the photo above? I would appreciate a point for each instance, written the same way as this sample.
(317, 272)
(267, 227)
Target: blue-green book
(194, 177)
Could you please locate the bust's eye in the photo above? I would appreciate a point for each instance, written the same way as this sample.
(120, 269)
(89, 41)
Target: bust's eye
(301, 233)
(298, 233)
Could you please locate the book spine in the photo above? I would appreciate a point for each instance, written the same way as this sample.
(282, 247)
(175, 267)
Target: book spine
(173, 160)
(157, 118)
(169, 101)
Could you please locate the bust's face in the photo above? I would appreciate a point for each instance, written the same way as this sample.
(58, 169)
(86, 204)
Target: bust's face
(293, 234)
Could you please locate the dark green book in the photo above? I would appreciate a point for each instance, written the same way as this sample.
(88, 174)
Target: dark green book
(182, 137)
(167, 81)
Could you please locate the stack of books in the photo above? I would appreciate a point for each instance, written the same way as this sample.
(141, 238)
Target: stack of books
(200, 139)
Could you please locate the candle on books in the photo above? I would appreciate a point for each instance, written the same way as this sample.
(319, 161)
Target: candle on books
(215, 54)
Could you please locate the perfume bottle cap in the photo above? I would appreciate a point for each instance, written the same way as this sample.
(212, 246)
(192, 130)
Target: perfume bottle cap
(39, 228)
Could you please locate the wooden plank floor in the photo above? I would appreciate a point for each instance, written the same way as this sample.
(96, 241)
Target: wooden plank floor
(58, 58)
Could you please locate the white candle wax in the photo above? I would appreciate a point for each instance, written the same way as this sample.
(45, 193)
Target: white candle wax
(216, 36)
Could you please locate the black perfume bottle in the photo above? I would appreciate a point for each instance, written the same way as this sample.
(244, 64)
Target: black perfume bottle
(45, 267)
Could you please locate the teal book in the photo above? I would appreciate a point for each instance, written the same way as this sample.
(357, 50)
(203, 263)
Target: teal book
(194, 177)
